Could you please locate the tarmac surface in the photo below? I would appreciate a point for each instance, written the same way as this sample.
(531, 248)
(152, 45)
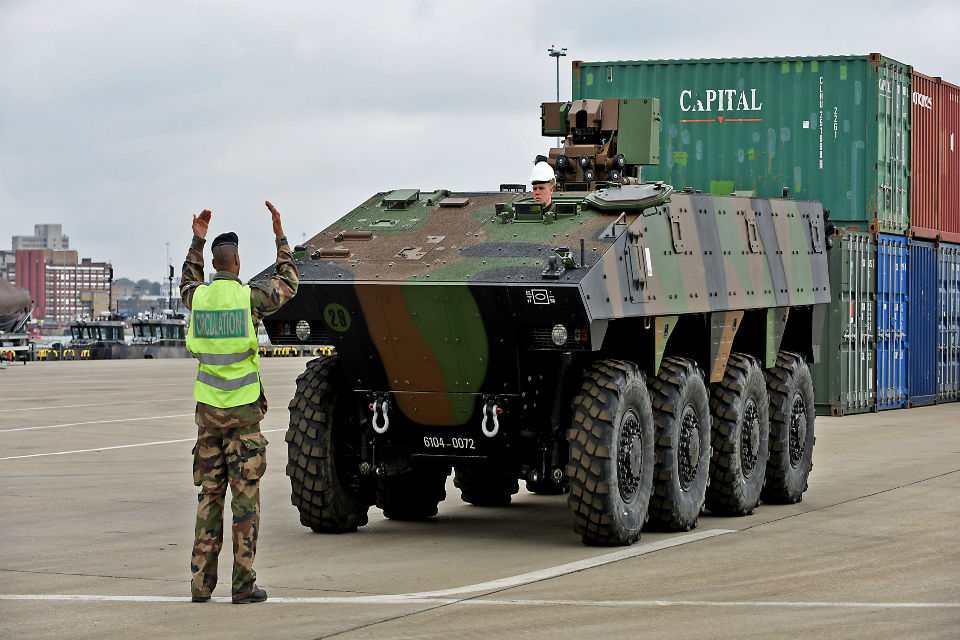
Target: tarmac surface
(98, 509)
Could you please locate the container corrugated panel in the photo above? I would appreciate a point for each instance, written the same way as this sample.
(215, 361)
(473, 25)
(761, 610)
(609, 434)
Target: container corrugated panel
(892, 270)
(948, 339)
(922, 322)
(833, 128)
(925, 156)
(949, 162)
(844, 380)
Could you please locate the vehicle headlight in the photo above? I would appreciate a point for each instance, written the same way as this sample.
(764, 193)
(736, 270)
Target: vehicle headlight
(559, 335)
(303, 330)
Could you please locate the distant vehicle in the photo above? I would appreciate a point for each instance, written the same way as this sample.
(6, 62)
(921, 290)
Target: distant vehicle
(96, 339)
(16, 339)
(159, 336)
(643, 349)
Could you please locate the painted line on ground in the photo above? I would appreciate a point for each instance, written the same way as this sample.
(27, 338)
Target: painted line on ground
(74, 424)
(122, 446)
(93, 404)
(404, 599)
(573, 567)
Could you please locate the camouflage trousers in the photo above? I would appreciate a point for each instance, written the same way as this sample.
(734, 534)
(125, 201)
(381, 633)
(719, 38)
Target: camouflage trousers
(236, 457)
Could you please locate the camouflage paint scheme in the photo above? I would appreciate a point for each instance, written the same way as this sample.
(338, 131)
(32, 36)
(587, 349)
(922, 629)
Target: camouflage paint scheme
(431, 296)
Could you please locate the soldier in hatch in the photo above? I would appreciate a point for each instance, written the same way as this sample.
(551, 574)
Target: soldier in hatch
(230, 449)
(543, 180)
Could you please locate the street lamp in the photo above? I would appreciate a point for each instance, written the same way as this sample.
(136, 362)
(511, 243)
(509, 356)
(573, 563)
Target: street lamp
(554, 52)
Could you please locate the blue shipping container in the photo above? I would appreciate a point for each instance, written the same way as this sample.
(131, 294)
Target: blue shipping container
(948, 342)
(922, 322)
(892, 264)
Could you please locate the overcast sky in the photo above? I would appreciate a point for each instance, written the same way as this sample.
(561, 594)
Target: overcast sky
(121, 118)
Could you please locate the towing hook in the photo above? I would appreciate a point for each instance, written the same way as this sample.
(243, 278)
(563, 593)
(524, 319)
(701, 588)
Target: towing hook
(490, 413)
(380, 407)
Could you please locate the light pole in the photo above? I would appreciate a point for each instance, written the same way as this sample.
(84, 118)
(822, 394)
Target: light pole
(554, 52)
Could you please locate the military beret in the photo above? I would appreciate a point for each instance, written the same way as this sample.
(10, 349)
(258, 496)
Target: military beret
(225, 238)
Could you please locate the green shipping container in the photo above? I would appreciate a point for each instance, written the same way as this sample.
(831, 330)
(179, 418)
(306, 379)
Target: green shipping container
(844, 380)
(834, 129)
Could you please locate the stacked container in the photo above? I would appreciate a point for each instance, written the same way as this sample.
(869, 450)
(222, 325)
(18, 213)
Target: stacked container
(844, 378)
(831, 128)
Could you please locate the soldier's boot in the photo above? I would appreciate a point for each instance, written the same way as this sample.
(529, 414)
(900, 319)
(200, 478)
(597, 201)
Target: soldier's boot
(257, 595)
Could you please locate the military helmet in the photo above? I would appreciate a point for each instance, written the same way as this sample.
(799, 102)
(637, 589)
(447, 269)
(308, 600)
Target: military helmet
(542, 172)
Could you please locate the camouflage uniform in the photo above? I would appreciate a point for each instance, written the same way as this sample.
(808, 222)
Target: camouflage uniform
(230, 448)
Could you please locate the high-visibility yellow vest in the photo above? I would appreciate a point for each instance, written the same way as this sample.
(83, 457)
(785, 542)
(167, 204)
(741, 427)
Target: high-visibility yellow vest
(222, 337)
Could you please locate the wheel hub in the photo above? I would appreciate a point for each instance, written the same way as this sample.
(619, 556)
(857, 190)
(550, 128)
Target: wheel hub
(798, 430)
(689, 454)
(750, 437)
(629, 458)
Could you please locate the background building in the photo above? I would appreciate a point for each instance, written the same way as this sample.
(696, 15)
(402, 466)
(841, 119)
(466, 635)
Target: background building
(45, 236)
(63, 286)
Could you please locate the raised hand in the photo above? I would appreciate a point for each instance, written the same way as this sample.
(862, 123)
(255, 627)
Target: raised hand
(201, 223)
(277, 228)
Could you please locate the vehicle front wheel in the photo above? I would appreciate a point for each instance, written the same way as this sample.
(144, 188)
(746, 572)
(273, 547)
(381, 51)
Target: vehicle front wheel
(322, 453)
(610, 470)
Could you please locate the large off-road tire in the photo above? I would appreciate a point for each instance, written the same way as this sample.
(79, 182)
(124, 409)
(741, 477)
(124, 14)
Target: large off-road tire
(322, 452)
(611, 462)
(681, 413)
(790, 388)
(485, 487)
(741, 429)
(413, 495)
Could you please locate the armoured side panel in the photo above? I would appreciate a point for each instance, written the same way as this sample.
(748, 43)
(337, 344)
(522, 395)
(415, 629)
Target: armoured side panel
(925, 157)
(892, 267)
(922, 323)
(831, 128)
(948, 336)
(845, 378)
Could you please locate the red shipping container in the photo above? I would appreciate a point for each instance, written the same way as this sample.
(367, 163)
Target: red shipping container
(925, 156)
(949, 162)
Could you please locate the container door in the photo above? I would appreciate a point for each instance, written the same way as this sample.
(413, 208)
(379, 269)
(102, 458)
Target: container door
(948, 343)
(922, 323)
(893, 145)
(949, 162)
(925, 156)
(892, 267)
(845, 378)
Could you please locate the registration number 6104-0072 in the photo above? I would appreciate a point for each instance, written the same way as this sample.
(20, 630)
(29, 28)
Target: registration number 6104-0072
(440, 442)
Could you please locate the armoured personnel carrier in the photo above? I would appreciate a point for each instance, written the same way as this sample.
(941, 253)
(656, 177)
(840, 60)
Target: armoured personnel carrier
(641, 348)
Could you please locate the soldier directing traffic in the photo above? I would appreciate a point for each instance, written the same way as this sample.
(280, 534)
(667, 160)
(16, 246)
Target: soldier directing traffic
(224, 317)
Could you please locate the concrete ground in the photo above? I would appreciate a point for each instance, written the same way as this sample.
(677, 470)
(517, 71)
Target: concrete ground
(98, 508)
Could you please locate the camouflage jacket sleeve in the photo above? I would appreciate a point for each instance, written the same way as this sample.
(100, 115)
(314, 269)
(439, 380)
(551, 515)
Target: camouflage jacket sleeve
(266, 296)
(192, 275)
